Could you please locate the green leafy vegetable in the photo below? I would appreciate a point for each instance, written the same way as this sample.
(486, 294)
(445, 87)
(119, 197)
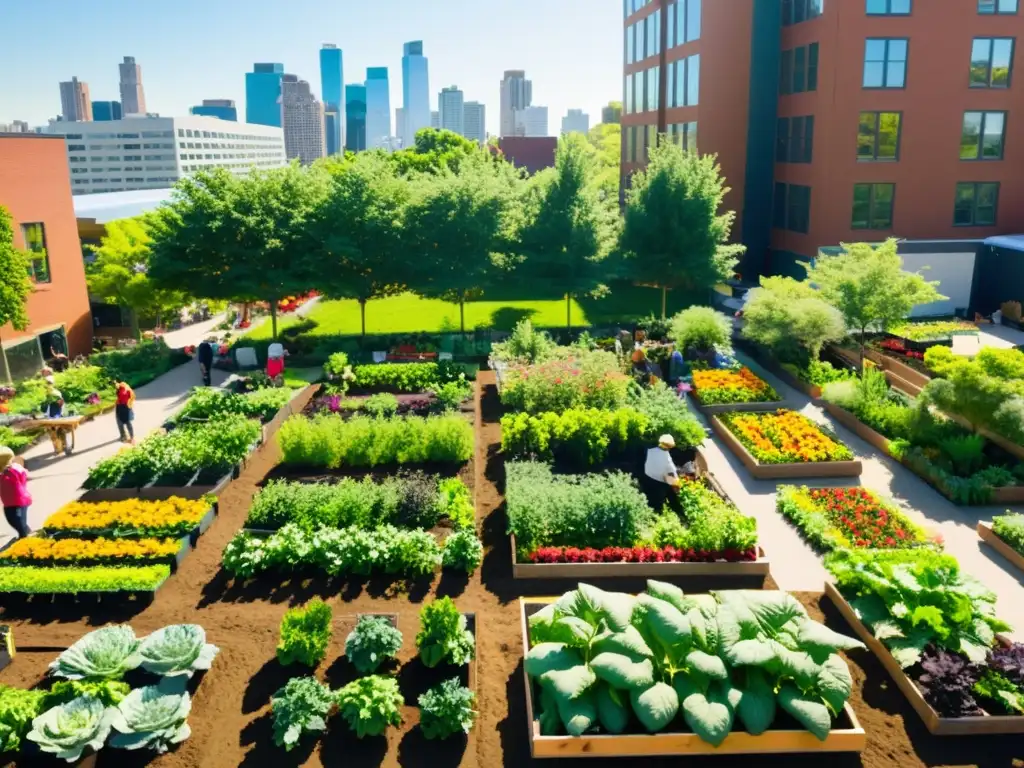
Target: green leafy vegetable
(370, 704)
(18, 707)
(373, 641)
(447, 709)
(67, 730)
(462, 551)
(104, 654)
(110, 692)
(305, 634)
(300, 707)
(178, 649)
(443, 636)
(153, 717)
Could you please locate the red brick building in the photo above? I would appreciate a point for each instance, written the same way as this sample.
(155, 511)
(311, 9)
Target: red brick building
(36, 190)
(534, 153)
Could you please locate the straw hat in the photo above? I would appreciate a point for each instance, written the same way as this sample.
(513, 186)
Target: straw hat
(6, 455)
(666, 441)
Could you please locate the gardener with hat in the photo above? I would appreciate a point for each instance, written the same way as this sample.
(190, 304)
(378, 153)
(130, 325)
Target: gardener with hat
(14, 491)
(661, 473)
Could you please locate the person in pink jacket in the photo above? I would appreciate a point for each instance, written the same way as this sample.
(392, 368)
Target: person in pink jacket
(14, 491)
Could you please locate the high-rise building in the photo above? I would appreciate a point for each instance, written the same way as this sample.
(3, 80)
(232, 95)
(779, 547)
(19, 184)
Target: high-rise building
(332, 91)
(612, 113)
(222, 108)
(576, 121)
(133, 99)
(474, 121)
(355, 117)
(415, 92)
(74, 101)
(154, 152)
(435, 118)
(450, 104)
(531, 121)
(827, 139)
(17, 126)
(106, 110)
(378, 108)
(263, 94)
(516, 94)
(400, 121)
(303, 121)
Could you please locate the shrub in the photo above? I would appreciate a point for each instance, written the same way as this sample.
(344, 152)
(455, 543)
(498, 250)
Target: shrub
(447, 709)
(371, 643)
(336, 364)
(140, 364)
(462, 551)
(667, 412)
(305, 634)
(443, 636)
(580, 436)
(329, 441)
(525, 344)
(702, 329)
(585, 379)
(381, 405)
(80, 381)
(450, 396)
(207, 403)
(370, 704)
(405, 377)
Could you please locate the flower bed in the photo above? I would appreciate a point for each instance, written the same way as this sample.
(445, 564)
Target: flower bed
(582, 380)
(933, 330)
(173, 518)
(51, 581)
(834, 518)
(732, 388)
(41, 551)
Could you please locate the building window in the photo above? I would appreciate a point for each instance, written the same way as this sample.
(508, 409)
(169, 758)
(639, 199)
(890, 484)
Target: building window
(872, 206)
(983, 136)
(792, 207)
(976, 204)
(651, 102)
(638, 91)
(34, 235)
(798, 69)
(627, 99)
(629, 45)
(991, 62)
(795, 11)
(630, 132)
(888, 7)
(653, 47)
(878, 136)
(885, 63)
(684, 82)
(997, 6)
(684, 135)
(795, 139)
(683, 22)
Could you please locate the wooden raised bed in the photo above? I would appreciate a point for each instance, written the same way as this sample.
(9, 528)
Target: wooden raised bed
(846, 736)
(761, 471)
(724, 407)
(775, 368)
(990, 537)
(192, 536)
(980, 725)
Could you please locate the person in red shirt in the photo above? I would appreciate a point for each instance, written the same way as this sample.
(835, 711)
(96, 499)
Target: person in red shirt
(14, 491)
(124, 412)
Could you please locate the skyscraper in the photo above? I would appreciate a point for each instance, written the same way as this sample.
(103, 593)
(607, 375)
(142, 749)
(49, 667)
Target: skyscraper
(399, 123)
(263, 94)
(303, 121)
(474, 121)
(378, 107)
(531, 121)
(516, 93)
(612, 113)
(221, 108)
(133, 99)
(576, 121)
(355, 117)
(415, 92)
(450, 105)
(435, 118)
(106, 110)
(74, 101)
(331, 79)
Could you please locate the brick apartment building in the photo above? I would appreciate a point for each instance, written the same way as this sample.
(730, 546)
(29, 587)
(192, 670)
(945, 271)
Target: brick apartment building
(840, 120)
(35, 188)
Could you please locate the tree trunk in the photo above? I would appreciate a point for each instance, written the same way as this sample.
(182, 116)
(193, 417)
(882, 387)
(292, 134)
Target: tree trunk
(273, 319)
(362, 315)
(136, 331)
(863, 333)
(568, 311)
(664, 291)
(462, 313)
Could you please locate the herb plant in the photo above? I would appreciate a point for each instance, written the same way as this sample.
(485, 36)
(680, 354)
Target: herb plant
(372, 642)
(1010, 528)
(667, 412)
(370, 704)
(443, 637)
(305, 634)
(463, 551)
(947, 682)
(578, 437)
(447, 709)
(300, 707)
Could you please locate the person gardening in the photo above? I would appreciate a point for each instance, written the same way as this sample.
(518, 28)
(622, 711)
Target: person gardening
(660, 471)
(14, 491)
(204, 354)
(53, 408)
(124, 412)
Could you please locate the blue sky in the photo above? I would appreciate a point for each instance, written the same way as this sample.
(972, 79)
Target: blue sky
(195, 49)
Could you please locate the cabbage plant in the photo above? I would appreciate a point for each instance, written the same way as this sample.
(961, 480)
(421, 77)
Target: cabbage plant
(152, 717)
(179, 649)
(105, 654)
(67, 730)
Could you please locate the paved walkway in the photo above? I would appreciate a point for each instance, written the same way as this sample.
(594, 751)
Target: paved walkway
(795, 566)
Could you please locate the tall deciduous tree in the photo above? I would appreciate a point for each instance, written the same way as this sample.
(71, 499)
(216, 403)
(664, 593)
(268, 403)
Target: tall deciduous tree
(120, 273)
(459, 228)
(358, 232)
(434, 150)
(14, 283)
(240, 239)
(674, 236)
(785, 314)
(870, 287)
(570, 226)
(607, 140)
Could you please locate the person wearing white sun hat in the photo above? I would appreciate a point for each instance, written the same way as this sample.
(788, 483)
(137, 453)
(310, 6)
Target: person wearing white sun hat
(660, 470)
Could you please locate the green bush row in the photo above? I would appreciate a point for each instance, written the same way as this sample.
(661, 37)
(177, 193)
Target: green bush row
(33, 580)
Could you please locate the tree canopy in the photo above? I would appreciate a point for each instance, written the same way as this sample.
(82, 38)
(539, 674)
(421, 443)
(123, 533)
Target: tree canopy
(607, 140)
(789, 316)
(434, 150)
(15, 285)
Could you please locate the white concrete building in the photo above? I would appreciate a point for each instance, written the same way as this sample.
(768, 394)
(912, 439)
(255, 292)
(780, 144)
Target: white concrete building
(531, 121)
(474, 122)
(154, 152)
(576, 121)
(450, 103)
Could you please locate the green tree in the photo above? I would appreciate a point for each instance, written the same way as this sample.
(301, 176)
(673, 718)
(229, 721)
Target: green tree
(358, 232)
(240, 238)
(789, 316)
(15, 285)
(434, 150)
(674, 237)
(570, 226)
(120, 273)
(870, 287)
(459, 228)
(607, 140)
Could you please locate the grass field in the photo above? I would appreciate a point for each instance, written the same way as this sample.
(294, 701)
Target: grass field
(408, 313)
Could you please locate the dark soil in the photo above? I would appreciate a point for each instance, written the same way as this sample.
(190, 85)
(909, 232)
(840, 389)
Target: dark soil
(231, 722)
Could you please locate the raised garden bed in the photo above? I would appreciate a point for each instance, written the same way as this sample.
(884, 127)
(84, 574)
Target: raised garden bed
(991, 538)
(847, 735)
(935, 723)
(760, 396)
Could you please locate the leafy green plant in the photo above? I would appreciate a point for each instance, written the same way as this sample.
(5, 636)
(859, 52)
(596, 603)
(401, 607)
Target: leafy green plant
(68, 730)
(702, 329)
(153, 717)
(18, 707)
(602, 658)
(1007, 697)
(463, 551)
(585, 379)
(207, 403)
(525, 344)
(402, 377)
(370, 704)
(451, 395)
(381, 405)
(966, 452)
(443, 636)
(37, 580)
(373, 641)
(336, 364)
(305, 634)
(711, 523)
(667, 412)
(457, 503)
(178, 649)
(1010, 528)
(300, 707)
(580, 436)
(447, 709)
(103, 654)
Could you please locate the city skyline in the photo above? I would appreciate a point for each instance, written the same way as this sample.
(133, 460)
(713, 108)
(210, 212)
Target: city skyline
(473, 51)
